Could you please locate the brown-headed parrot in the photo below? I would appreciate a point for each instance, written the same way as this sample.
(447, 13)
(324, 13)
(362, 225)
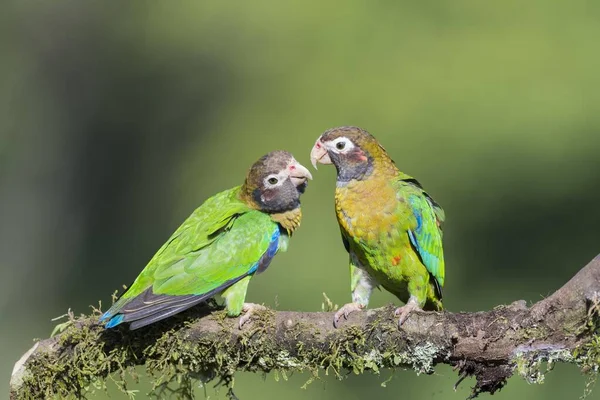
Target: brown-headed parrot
(226, 241)
(391, 228)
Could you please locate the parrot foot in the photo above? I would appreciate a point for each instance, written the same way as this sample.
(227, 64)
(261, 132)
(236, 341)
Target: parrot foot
(248, 309)
(346, 310)
(406, 309)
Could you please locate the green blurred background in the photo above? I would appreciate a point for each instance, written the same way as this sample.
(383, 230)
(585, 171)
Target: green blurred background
(117, 119)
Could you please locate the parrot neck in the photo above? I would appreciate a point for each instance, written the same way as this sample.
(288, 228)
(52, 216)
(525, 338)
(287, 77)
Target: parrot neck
(289, 220)
(385, 166)
(381, 167)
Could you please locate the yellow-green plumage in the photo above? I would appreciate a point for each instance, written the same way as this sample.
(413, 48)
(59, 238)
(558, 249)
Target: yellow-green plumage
(375, 217)
(390, 226)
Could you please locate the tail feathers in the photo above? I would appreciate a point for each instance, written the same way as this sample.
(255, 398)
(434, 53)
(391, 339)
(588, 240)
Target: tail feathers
(113, 311)
(105, 316)
(149, 303)
(162, 315)
(114, 321)
(438, 287)
(148, 307)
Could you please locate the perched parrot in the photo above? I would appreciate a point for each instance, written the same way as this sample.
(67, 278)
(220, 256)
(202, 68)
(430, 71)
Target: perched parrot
(218, 249)
(391, 228)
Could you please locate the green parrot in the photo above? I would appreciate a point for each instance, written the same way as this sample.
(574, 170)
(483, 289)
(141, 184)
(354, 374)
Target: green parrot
(391, 228)
(226, 241)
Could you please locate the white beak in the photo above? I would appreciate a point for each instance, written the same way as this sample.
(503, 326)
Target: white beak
(299, 174)
(319, 154)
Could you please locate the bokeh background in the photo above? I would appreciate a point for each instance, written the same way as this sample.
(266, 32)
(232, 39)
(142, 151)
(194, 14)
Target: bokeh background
(117, 119)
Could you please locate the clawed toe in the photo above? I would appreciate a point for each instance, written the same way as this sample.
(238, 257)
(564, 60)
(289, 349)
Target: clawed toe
(249, 309)
(405, 311)
(346, 310)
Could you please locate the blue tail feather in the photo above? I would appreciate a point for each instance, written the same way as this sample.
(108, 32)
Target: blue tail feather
(105, 316)
(114, 321)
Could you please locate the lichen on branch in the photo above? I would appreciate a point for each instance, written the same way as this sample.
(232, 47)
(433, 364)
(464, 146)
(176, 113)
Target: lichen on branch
(202, 344)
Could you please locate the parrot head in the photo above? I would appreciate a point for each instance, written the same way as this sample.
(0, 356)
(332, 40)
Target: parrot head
(275, 182)
(352, 150)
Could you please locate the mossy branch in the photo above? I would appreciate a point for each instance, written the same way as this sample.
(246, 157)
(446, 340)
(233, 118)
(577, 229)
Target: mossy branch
(206, 345)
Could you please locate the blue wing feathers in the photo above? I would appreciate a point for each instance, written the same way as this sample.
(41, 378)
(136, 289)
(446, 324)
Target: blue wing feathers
(268, 255)
(411, 236)
(422, 239)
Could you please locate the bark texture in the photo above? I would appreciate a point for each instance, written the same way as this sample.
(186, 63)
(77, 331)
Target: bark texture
(203, 344)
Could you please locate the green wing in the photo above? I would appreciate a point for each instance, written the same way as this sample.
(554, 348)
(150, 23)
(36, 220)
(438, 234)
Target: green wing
(236, 253)
(203, 227)
(425, 227)
(220, 243)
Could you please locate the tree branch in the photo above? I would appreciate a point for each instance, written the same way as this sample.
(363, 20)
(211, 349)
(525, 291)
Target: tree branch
(489, 345)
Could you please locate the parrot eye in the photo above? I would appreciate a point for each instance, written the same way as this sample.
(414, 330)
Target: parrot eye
(272, 181)
(341, 145)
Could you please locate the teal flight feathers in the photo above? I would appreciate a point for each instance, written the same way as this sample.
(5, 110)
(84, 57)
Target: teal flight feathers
(226, 241)
(391, 228)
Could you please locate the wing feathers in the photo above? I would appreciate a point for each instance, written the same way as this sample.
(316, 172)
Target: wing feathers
(149, 307)
(207, 254)
(426, 234)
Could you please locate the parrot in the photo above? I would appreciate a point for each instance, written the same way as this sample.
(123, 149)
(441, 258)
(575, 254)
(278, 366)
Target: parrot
(231, 237)
(390, 227)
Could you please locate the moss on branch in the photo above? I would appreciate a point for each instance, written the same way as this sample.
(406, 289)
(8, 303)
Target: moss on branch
(203, 344)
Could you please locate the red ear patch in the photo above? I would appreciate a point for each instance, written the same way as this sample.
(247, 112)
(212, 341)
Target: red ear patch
(396, 260)
(361, 155)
